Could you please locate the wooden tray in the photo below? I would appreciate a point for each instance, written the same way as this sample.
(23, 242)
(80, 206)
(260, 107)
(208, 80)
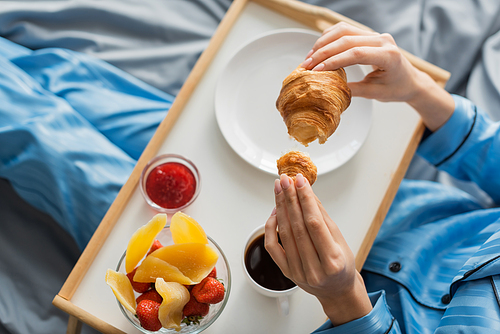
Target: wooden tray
(237, 197)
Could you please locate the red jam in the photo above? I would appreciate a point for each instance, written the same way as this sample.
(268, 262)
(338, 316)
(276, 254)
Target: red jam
(171, 185)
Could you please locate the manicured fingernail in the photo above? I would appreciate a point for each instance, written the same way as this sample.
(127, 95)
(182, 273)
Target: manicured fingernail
(299, 180)
(319, 67)
(273, 212)
(307, 62)
(309, 53)
(277, 187)
(285, 181)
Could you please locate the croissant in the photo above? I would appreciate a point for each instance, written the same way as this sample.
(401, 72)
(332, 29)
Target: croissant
(311, 103)
(295, 162)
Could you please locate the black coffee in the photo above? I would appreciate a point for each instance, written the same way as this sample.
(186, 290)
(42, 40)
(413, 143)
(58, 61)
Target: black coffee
(262, 268)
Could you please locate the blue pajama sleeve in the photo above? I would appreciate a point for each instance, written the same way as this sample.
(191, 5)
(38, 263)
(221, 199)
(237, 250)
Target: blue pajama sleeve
(378, 321)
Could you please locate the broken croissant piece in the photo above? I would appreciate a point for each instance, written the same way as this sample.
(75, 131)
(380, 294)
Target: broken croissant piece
(295, 162)
(311, 103)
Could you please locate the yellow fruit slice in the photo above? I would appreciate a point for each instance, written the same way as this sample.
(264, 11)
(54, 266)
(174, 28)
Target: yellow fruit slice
(122, 288)
(142, 239)
(175, 297)
(152, 268)
(185, 229)
(194, 260)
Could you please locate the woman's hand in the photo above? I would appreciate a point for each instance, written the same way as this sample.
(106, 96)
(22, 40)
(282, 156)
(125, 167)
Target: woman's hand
(314, 253)
(393, 77)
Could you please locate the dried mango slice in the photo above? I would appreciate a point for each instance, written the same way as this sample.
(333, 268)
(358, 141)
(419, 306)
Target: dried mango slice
(175, 297)
(185, 229)
(152, 268)
(122, 288)
(142, 239)
(194, 260)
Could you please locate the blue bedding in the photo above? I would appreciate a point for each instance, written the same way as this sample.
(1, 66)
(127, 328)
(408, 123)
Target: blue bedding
(73, 127)
(131, 57)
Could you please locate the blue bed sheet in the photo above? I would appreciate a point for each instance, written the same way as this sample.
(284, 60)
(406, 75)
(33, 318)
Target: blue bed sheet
(71, 128)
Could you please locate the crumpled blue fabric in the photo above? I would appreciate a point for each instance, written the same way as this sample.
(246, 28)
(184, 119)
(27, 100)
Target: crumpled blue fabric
(71, 130)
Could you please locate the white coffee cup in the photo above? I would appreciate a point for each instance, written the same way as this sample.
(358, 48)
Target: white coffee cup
(280, 295)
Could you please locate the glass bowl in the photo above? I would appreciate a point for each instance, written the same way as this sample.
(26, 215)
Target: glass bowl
(223, 274)
(172, 184)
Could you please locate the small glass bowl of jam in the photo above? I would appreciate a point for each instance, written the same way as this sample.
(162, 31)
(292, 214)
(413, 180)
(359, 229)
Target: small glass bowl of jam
(170, 183)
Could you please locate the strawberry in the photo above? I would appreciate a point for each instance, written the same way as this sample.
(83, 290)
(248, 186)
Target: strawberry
(138, 286)
(213, 273)
(156, 245)
(147, 312)
(209, 290)
(195, 308)
(150, 295)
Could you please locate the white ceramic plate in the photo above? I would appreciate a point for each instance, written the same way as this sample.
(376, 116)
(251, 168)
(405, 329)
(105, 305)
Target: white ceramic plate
(245, 104)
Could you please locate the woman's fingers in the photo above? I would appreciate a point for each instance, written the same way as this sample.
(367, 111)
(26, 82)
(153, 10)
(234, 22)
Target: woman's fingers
(310, 253)
(312, 215)
(305, 246)
(338, 30)
(272, 245)
(325, 243)
(368, 90)
(286, 233)
(380, 58)
(344, 32)
(337, 46)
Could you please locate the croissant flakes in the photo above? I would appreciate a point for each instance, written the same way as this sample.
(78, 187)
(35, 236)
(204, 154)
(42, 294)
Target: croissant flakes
(311, 103)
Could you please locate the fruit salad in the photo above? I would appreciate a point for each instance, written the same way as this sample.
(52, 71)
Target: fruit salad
(166, 286)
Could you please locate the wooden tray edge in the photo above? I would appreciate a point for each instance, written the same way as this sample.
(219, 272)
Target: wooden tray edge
(89, 319)
(389, 195)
